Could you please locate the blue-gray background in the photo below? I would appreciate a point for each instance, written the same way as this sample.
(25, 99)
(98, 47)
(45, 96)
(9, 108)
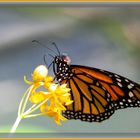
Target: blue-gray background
(102, 37)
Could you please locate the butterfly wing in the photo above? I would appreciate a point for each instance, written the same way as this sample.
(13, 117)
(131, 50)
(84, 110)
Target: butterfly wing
(97, 93)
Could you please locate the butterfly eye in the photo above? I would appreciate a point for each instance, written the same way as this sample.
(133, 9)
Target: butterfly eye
(66, 59)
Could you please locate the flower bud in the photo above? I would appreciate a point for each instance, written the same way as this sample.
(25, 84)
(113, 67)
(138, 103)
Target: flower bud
(40, 73)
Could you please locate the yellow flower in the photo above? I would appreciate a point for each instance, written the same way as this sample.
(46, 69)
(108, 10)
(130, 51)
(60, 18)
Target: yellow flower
(53, 99)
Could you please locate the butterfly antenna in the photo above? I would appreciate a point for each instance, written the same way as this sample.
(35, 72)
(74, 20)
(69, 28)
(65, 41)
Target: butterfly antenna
(44, 46)
(56, 47)
(50, 65)
(52, 61)
(44, 57)
(51, 56)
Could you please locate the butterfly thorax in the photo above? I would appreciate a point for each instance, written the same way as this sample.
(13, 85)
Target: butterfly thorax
(61, 67)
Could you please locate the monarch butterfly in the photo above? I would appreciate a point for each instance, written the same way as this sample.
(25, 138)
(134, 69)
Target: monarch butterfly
(96, 93)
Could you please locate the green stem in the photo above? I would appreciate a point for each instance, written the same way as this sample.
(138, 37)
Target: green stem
(26, 100)
(13, 130)
(34, 115)
(21, 108)
(28, 111)
(21, 102)
(36, 107)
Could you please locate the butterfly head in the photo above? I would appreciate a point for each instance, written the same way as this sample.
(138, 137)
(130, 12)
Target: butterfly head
(64, 58)
(62, 67)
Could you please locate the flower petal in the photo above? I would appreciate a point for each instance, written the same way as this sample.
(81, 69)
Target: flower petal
(26, 81)
(37, 97)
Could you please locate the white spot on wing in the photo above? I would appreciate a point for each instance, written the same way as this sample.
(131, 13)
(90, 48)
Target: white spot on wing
(121, 103)
(129, 101)
(131, 94)
(132, 84)
(117, 76)
(119, 84)
(123, 100)
(126, 80)
(129, 86)
(118, 79)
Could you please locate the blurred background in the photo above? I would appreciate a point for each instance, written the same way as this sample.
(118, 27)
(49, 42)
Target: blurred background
(102, 37)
